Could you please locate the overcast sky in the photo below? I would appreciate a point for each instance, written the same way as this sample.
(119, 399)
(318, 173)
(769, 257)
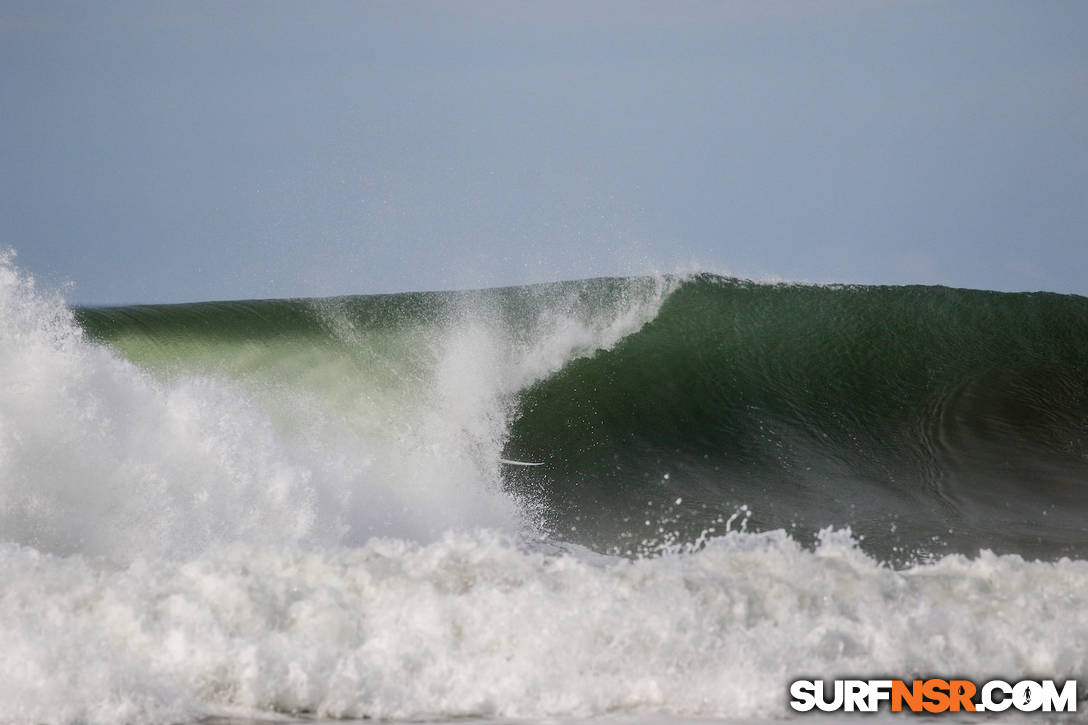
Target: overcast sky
(173, 151)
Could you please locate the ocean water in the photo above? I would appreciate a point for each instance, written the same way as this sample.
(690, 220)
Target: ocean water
(285, 509)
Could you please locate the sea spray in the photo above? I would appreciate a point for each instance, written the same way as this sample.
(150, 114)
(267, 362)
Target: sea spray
(98, 459)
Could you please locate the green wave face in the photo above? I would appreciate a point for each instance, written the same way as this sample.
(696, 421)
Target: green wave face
(925, 419)
(382, 360)
(392, 410)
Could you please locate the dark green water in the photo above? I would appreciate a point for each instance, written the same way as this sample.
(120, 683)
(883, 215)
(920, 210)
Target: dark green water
(926, 419)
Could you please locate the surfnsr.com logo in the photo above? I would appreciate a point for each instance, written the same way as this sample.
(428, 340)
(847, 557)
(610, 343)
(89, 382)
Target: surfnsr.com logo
(933, 695)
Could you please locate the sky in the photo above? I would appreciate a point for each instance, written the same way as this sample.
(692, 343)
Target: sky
(180, 151)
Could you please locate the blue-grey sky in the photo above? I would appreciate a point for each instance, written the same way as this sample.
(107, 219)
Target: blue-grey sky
(175, 151)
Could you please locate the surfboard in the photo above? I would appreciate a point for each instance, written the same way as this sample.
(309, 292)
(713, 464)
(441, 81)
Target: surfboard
(518, 463)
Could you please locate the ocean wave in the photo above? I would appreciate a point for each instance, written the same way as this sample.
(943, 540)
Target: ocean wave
(300, 507)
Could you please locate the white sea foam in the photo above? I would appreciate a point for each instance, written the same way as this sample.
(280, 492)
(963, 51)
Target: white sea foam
(473, 625)
(97, 458)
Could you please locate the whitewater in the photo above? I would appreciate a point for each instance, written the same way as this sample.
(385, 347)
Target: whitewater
(296, 508)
